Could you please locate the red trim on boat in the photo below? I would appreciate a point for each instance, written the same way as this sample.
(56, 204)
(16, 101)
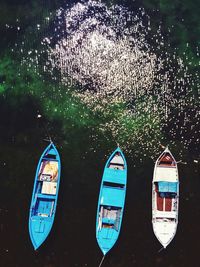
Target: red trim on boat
(166, 160)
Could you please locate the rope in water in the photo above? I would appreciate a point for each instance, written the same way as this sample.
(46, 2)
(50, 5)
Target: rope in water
(101, 261)
(39, 116)
(160, 249)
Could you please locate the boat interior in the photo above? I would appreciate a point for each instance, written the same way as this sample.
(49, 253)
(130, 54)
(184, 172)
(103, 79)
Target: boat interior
(166, 219)
(110, 217)
(48, 171)
(46, 188)
(50, 156)
(44, 207)
(117, 162)
(43, 204)
(166, 160)
(47, 178)
(165, 200)
(113, 185)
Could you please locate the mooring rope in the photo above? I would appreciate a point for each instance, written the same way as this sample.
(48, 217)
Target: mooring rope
(160, 249)
(101, 261)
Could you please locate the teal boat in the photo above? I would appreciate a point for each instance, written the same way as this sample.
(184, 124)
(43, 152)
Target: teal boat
(45, 195)
(111, 201)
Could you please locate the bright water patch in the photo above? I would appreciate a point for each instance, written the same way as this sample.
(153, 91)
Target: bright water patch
(124, 71)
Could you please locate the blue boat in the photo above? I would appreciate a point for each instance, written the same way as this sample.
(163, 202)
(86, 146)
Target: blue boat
(45, 195)
(111, 201)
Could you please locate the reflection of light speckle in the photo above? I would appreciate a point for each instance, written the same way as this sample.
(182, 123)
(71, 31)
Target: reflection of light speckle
(110, 58)
(137, 89)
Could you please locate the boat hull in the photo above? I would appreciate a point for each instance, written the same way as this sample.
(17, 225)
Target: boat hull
(111, 201)
(164, 231)
(44, 196)
(165, 198)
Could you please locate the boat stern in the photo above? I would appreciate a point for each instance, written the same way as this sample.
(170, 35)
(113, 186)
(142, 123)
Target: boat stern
(39, 230)
(164, 230)
(106, 239)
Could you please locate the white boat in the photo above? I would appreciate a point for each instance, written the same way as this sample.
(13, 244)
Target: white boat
(165, 198)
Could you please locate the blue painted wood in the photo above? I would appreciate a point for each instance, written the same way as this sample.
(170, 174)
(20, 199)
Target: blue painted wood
(111, 202)
(43, 205)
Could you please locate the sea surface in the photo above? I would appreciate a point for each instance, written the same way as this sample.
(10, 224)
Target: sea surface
(86, 125)
(72, 240)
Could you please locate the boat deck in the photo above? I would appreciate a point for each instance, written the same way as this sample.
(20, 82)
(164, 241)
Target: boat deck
(163, 203)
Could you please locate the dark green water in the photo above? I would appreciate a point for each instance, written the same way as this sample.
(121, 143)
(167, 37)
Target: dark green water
(72, 241)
